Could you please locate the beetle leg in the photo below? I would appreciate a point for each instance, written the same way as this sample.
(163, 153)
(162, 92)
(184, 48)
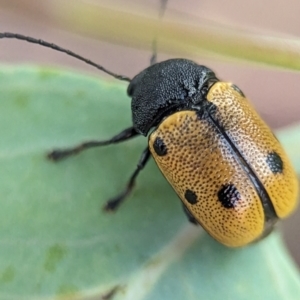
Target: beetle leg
(59, 154)
(114, 203)
(189, 215)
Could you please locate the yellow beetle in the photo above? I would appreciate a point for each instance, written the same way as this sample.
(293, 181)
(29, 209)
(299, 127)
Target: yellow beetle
(223, 161)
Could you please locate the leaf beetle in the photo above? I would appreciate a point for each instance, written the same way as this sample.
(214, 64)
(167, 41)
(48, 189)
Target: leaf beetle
(227, 167)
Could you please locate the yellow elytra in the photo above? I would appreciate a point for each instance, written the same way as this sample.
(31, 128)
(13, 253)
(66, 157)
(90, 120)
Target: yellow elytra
(222, 167)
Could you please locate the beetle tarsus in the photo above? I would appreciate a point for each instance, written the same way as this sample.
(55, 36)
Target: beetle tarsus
(57, 155)
(113, 204)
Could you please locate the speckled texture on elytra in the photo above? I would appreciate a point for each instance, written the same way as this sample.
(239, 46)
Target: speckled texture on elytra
(255, 142)
(199, 159)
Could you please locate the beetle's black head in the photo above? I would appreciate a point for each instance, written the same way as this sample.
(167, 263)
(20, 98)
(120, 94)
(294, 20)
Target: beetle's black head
(166, 87)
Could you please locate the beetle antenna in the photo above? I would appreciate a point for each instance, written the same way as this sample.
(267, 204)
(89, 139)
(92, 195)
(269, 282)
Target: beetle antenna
(162, 9)
(58, 48)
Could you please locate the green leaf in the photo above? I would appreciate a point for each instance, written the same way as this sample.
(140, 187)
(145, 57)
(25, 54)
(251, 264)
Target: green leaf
(57, 242)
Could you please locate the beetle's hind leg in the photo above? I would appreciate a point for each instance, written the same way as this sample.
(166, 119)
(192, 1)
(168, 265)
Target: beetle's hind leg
(114, 203)
(59, 154)
(189, 215)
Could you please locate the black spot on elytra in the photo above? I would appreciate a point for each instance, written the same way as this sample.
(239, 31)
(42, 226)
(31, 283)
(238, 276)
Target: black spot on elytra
(274, 162)
(236, 88)
(191, 197)
(229, 196)
(160, 147)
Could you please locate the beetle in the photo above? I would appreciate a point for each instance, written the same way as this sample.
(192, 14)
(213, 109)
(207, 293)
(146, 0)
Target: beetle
(227, 167)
